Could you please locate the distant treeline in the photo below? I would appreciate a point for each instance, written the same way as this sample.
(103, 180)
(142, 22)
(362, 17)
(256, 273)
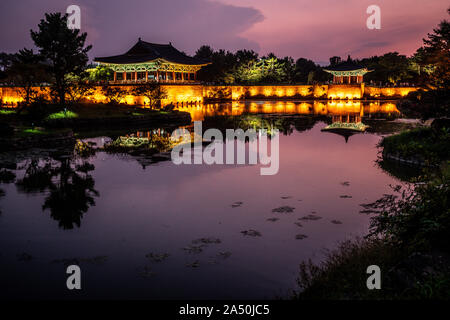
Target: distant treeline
(247, 67)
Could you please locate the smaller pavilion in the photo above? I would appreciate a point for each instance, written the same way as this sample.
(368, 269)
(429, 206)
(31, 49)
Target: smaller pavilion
(147, 61)
(347, 72)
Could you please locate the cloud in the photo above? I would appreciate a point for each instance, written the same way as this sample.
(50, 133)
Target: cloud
(114, 26)
(322, 28)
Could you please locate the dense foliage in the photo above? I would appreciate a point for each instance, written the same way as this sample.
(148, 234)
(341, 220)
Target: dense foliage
(246, 67)
(433, 58)
(416, 218)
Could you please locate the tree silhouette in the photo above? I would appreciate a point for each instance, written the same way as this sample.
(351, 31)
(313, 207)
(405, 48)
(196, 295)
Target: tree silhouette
(63, 48)
(436, 52)
(26, 71)
(153, 92)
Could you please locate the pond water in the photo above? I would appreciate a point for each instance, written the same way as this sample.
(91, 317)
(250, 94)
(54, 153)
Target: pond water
(156, 230)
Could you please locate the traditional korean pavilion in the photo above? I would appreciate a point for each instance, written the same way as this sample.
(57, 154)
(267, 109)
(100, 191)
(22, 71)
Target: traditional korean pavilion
(347, 72)
(147, 61)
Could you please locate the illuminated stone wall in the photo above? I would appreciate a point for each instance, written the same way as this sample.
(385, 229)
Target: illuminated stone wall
(194, 94)
(394, 92)
(280, 91)
(181, 94)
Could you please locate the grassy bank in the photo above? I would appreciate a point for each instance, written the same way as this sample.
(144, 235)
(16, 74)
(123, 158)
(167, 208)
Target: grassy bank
(425, 145)
(43, 112)
(91, 111)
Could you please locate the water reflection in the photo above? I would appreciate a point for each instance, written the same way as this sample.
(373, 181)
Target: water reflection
(166, 208)
(399, 171)
(66, 179)
(236, 108)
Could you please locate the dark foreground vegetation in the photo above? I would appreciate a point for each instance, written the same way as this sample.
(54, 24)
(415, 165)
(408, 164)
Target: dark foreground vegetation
(408, 240)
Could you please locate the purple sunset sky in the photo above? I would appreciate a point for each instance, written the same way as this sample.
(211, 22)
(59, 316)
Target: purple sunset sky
(314, 29)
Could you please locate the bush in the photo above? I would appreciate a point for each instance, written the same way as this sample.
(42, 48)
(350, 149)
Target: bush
(417, 217)
(343, 275)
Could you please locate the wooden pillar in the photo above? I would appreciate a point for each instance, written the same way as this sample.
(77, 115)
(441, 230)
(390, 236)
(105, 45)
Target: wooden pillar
(135, 76)
(173, 76)
(182, 76)
(146, 76)
(157, 76)
(124, 76)
(115, 76)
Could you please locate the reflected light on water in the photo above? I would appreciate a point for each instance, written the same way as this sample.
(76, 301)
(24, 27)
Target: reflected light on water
(199, 112)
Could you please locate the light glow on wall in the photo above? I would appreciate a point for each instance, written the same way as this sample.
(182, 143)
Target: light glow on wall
(195, 94)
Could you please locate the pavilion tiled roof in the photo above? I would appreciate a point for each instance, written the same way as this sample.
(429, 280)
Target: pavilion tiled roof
(345, 66)
(144, 51)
